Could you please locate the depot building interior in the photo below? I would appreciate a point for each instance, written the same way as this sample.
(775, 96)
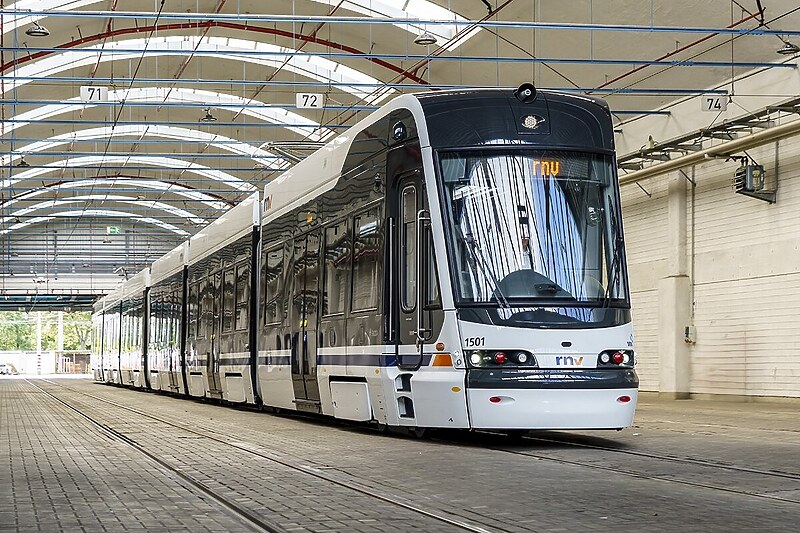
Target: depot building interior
(130, 131)
(127, 128)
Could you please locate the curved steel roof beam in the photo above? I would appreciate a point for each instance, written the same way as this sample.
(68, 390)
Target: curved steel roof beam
(156, 185)
(258, 155)
(304, 64)
(150, 204)
(378, 9)
(89, 213)
(168, 162)
(301, 125)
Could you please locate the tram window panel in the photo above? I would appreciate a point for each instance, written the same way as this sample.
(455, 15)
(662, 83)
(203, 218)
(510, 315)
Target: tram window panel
(262, 287)
(192, 310)
(273, 308)
(242, 295)
(337, 269)
(408, 249)
(367, 257)
(228, 299)
(433, 298)
(203, 308)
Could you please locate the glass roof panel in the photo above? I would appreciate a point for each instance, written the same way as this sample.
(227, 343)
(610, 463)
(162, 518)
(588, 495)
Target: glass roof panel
(156, 161)
(259, 155)
(90, 213)
(299, 124)
(318, 68)
(149, 204)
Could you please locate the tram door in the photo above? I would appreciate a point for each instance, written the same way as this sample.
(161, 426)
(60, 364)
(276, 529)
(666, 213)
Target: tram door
(411, 223)
(303, 317)
(212, 361)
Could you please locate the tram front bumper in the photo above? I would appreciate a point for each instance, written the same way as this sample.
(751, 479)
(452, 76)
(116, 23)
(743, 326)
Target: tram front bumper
(579, 399)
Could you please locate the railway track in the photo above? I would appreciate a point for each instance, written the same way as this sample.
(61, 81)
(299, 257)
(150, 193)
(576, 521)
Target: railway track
(569, 441)
(255, 522)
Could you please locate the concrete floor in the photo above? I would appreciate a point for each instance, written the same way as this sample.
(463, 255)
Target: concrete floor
(79, 456)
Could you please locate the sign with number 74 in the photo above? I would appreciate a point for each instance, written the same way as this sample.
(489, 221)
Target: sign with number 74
(714, 102)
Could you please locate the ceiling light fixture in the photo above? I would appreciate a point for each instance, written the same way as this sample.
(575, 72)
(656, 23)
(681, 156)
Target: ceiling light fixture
(425, 39)
(37, 31)
(208, 116)
(788, 49)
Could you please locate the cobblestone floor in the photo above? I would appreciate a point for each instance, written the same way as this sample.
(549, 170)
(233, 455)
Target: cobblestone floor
(686, 466)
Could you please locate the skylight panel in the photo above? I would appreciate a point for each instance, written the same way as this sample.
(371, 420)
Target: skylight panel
(90, 213)
(154, 185)
(297, 123)
(288, 59)
(167, 162)
(151, 204)
(414, 9)
(259, 155)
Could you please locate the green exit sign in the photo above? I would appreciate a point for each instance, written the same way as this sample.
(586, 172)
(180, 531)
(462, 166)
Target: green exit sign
(112, 230)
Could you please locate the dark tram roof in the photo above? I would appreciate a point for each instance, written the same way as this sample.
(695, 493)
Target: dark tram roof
(491, 117)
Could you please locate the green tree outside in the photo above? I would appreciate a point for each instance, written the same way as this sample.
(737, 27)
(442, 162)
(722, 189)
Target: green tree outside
(18, 331)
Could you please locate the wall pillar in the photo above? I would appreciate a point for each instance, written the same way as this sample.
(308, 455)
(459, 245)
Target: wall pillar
(674, 300)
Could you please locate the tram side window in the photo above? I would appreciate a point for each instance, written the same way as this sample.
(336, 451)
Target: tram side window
(433, 298)
(274, 286)
(227, 300)
(262, 287)
(242, 294)
(203, 308)
(337, 267)
(367, 256)
(408, 254)
(192, 319)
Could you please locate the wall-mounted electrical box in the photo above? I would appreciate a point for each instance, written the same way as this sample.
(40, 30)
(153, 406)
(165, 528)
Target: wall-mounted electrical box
(750, 179)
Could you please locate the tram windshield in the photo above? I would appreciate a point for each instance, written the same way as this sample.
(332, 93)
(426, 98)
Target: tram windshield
(534, 227)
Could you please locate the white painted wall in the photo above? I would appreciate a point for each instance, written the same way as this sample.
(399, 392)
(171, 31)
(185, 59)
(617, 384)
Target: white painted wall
(744, 277)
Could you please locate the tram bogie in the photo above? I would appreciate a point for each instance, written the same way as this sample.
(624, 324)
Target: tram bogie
(454, 260)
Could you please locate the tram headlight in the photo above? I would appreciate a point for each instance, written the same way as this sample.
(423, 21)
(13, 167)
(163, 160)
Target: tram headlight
(506, 358)
(605, 358)
(476, 358)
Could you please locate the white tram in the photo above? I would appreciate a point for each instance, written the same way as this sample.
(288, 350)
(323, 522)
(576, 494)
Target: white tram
(454, 260)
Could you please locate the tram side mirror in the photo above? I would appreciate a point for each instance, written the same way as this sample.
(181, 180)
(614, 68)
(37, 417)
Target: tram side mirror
(525, 93)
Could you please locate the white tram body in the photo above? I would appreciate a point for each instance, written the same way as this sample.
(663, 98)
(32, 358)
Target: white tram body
(454, 260)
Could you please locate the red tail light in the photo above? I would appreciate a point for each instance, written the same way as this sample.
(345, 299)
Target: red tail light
(500, 358)
(624, 399)
(618, 358)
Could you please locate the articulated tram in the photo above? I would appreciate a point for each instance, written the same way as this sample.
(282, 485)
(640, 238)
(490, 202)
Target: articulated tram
(454, 260)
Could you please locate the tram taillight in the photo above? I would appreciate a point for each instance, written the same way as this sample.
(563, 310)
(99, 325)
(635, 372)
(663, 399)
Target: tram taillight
(500, 358)
(615, 358)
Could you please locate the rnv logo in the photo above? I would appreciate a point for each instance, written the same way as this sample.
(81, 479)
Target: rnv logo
(568, 360)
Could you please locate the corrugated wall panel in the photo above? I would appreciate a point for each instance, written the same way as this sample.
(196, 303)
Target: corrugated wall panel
(645, 329)
(747, 280)
(645, 224)
(746, 275)
(747, 337)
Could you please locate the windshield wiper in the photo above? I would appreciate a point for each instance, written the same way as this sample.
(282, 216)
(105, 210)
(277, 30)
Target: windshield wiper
(615, 260)
(469, 243)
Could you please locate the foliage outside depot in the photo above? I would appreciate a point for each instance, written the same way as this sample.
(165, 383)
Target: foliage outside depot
(18, 331)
